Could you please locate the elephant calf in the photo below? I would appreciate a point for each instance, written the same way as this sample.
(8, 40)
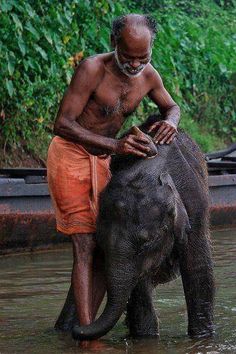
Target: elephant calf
(153, 226)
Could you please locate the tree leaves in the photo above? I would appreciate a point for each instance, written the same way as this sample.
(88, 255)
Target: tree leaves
(5, 6)
(32, 30)
(11, 61)
(11, 67)
(17, 21)
(22, 45)
(10, 87)
(41, 51)
(193, 53)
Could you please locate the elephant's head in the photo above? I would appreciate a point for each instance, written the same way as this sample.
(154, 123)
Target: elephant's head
(140, 219)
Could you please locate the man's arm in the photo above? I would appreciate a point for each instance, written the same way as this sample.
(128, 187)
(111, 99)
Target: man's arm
(83, 84)
(166, 129)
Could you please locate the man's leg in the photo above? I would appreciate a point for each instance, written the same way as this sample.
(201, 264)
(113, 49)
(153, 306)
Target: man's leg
(85, 283)
(68, 317)
(81, 278)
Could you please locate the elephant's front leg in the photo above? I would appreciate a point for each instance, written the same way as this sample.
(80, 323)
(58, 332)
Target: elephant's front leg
(141, 317)
(198, 282)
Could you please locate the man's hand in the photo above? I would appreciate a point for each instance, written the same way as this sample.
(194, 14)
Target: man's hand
(132, 144)
(164, 132)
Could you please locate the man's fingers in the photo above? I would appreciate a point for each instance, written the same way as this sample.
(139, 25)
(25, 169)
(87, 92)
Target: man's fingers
(166, 137)
(155, 125)
(138, 146)
(160, 130)
(142, 139)
(171, 138)
(161, 134)
(133, 151)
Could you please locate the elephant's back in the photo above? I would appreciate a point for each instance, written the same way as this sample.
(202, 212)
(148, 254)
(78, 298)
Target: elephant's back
(192, 155)
(187, 166)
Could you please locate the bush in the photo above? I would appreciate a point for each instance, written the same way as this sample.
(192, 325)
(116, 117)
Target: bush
(41, 40)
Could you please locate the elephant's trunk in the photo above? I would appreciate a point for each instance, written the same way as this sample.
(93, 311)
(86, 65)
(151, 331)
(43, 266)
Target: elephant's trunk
(118, 291)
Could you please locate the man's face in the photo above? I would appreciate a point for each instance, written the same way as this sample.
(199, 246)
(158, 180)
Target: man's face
(133, 51)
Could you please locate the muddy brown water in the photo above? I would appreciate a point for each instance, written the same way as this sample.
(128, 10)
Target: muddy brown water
(33, 289)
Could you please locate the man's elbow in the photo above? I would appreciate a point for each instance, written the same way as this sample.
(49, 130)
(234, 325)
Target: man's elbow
(56, 129)
(60, 127)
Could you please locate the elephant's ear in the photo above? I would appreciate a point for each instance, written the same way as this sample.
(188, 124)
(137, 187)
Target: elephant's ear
(181, 219)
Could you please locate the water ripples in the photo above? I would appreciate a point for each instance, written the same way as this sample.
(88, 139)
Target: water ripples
(33, 289)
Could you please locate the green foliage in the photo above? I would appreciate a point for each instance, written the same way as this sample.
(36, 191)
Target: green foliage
(193, 53)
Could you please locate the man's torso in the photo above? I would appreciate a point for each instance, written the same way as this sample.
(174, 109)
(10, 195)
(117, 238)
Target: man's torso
(114, 98)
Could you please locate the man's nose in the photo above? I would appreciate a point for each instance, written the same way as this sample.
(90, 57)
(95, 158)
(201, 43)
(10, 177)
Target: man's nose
(135, 63)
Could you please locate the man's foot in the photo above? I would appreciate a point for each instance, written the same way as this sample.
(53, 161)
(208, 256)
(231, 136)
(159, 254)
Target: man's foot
(95, 345)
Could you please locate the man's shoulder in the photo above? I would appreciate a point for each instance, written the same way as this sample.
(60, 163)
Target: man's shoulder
(152, 75)
(94, 65)
(90, 72)
(151, 72)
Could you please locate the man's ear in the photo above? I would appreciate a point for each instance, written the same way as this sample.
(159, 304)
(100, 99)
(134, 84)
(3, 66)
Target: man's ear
(113, 42)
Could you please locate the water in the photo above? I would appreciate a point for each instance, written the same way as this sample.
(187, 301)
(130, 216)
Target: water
(33, 289)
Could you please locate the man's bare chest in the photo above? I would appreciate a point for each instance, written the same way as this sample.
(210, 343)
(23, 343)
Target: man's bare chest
(115, 97)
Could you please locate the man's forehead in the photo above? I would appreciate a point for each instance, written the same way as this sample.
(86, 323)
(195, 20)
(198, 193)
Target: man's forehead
(135, 37)
(136, 33)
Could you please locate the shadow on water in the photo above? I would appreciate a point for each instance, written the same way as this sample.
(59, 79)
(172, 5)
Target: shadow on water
(33, 289)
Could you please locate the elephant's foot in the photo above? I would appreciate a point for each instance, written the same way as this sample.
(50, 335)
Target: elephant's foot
(144, 332)
(141, 317)
(68, 317)
(197, 332)
(146, 326)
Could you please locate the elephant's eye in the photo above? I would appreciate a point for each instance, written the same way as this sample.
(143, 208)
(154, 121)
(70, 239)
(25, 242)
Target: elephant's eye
(144, 235)
(164, 228)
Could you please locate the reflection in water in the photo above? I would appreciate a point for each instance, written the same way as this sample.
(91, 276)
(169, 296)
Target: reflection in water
(33, 289)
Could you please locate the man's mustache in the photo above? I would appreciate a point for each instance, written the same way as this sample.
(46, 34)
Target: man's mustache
(139, 68)
(127, 68)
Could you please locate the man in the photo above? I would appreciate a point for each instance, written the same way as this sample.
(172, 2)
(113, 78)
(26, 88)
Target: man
(104, 90)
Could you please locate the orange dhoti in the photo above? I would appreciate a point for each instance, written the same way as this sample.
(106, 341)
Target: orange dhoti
(75, 180)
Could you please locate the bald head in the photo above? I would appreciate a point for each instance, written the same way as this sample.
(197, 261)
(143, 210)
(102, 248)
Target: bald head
(136, 25)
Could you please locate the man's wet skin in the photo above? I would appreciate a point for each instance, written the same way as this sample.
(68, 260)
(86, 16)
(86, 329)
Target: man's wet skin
(101, 96)
(104, 90)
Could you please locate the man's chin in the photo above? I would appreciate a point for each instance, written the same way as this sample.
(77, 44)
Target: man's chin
(131, 73)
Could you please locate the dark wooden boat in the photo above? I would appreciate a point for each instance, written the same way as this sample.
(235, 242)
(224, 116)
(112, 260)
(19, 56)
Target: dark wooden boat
(26, 215)
(222, 183)
(27, 218)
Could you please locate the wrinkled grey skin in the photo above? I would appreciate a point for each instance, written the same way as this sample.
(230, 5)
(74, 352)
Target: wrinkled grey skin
(153, 226)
